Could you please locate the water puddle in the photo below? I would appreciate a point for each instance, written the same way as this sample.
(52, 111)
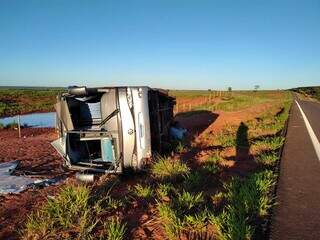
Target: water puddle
(32, 120)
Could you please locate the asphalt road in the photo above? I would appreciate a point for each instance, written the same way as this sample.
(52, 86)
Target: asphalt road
(297, 215)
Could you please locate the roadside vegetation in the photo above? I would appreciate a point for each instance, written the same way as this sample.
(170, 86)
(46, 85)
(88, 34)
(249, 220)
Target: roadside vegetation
(308, 92)
(15, 101)
(75, 213)
(220, 185)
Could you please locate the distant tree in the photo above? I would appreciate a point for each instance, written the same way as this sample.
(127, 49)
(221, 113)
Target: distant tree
(229, 89)
(209, 90)
(256, 87)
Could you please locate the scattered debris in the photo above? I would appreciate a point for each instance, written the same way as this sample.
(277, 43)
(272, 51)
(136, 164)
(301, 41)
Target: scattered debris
(15, 184)
(85, 177)
(178, 133)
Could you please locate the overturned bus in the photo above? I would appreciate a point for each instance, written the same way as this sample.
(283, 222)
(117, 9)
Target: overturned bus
(108, 129)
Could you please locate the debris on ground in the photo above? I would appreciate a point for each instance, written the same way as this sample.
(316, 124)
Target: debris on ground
(10, 183)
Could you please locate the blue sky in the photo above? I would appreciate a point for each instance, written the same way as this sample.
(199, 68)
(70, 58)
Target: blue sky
(181, 44)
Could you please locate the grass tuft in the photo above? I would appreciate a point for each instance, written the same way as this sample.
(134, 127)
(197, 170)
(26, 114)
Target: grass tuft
(187, 201)
(171, 223)
(114, 229)
(212, 164)
(164, 190)
(268, 158)
(165, 168)
(143, 191)
(270, 143)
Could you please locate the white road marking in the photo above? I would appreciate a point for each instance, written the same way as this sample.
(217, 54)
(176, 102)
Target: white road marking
(312, 135)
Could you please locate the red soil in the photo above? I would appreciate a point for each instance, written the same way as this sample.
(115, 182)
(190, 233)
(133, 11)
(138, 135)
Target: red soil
(38, 158)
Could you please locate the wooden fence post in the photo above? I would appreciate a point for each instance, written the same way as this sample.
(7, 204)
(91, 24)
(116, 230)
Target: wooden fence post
(19, 128)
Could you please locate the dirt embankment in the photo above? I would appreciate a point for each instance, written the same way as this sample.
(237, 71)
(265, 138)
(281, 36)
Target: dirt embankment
(38, 159)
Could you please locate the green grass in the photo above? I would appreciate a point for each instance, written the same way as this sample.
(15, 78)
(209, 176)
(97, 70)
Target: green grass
(107, 203)
(142, 191)
(76, 212)
(195, 181)
(226, 101)
(226, 139)
(171, 223)
(196, 222)
(248, 200)
(185, 213)
(212, 164)
(272, 122)
(186, 201)
(166, 168)
(180, 148)
(115, 230)
(270, 143)
(243, 100)
(66, 210)
(15, 101)
(164, 189)
(268, 158)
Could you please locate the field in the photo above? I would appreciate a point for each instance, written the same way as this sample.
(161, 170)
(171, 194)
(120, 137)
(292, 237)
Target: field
(15, 101)
(216, 184)
(221, 100)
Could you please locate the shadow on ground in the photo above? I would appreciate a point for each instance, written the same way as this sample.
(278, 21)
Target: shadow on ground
(195, 122)
(244, 161)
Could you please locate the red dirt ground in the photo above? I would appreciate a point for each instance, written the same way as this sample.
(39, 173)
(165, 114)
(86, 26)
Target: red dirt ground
(38, 158)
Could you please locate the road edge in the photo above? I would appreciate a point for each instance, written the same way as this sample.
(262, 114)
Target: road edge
(273, 192)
